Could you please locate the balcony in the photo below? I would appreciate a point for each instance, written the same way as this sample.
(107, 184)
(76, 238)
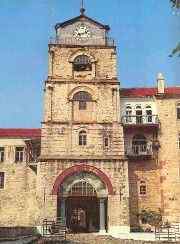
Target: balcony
(140, 149)
(109, 42)
(140, 120)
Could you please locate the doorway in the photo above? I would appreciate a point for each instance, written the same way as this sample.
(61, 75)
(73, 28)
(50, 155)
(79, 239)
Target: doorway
(82, 214)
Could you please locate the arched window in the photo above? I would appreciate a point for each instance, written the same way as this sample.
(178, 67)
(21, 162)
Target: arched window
(148, 114)
(178, 110)
(82, 97)
(142, 188)
(82, 138)
(82, 188)
(82, 63)
(128, 114)
(139, 118)
(139, 145)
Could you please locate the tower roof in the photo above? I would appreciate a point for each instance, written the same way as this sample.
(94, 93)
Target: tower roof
(82, 16)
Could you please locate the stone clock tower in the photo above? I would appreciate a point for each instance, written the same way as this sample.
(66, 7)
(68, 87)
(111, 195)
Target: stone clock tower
(83, 173)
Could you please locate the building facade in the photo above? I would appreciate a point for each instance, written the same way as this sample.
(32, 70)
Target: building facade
(103, 153)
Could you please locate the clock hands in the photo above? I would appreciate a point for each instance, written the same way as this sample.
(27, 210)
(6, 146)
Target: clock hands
(82, 32)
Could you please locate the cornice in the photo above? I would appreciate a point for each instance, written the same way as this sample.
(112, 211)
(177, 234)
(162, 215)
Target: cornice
(83, 158)
(59, 80)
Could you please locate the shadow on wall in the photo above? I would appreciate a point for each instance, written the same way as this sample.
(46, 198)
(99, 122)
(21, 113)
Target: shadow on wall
(14, 232)
(133, 202)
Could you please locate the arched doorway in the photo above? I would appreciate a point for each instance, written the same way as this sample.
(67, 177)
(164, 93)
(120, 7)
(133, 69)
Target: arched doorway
(82, 201)
(82, 208)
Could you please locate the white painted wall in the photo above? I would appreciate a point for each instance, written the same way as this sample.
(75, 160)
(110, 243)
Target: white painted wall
(10, 145)
(133, 102)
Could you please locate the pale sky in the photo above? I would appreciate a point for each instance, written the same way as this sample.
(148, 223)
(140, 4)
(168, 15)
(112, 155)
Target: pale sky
(145, 32)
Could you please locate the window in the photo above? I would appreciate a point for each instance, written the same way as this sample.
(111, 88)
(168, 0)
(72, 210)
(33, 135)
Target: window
(149, 114)
(106, 142)
(82, 105)
(139, 145)
(19, 154)
(128, 114)
(1, 154)
(178, 110)
(142, 188)
(82, 63)
(82, 138)
(1, 180)
(82, 188)
(139, 118)
(82, 97)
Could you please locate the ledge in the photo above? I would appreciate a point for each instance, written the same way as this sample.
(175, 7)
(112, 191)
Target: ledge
(95, 46)
(110, 123)
(60, 80)
(81, 158)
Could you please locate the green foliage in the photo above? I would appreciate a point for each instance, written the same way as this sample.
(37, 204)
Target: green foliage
(150, 217)
(176, 51)
(175, 3)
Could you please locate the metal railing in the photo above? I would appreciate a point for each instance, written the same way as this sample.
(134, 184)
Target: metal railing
(92, 41)
(54, 228)
(139, 148)
(169, 233)
(140, 119)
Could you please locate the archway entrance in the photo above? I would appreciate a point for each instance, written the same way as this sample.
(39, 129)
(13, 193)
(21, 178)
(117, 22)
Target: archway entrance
(82, 214)
(82, 210)
(82, 201)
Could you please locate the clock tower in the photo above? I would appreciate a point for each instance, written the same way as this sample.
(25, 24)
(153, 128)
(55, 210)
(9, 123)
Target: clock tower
(83, 171)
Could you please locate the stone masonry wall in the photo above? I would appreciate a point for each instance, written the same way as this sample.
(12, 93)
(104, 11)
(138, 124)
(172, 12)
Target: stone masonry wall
(61, 67)
(149, 172)
(169, 158)
(18, 200)
(116, 171)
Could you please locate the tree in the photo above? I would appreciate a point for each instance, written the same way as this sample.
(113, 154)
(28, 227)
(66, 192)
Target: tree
(176, 50)
(153, 218)
(175, 3)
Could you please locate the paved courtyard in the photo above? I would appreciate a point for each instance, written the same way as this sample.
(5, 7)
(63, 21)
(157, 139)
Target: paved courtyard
(95, 239)
(133, 238)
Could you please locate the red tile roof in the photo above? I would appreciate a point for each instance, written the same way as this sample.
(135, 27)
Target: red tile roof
(144, 92)
(20, 133)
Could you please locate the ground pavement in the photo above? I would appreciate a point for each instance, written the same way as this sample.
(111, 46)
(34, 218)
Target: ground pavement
(96, 239)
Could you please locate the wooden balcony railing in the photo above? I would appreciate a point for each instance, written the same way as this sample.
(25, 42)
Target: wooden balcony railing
(139, 148)
(140, 120)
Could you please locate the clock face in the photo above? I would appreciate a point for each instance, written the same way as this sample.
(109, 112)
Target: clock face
(82, 32)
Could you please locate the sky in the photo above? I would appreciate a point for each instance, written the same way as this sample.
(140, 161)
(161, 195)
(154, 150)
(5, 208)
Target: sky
(145, 32)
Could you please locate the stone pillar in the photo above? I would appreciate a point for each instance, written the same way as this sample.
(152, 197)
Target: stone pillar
(118, 203)
(102, 229)
(63, 209)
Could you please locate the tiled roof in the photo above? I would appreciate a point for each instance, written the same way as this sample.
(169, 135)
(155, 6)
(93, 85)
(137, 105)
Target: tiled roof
(144, 92)
(20, 133)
